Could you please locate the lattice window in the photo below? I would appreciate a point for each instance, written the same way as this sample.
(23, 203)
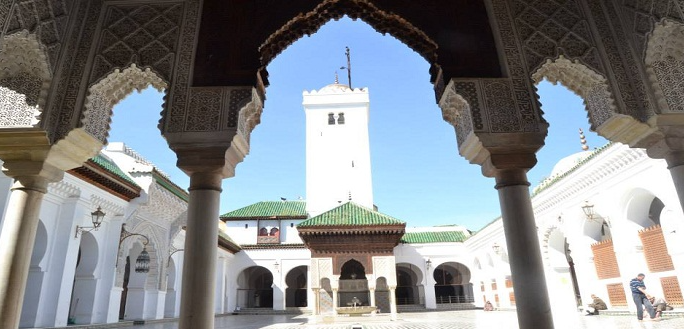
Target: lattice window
(605, 260)
(509, 282)
(616, 294)
(672, 291)
(655, 249)
(511, 297)
(494, 285)
(496, 299)
(482, 286)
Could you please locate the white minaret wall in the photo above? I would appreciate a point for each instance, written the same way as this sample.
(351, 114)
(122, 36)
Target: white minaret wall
(337, 155)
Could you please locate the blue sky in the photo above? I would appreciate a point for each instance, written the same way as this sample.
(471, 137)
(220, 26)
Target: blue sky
(418, 175)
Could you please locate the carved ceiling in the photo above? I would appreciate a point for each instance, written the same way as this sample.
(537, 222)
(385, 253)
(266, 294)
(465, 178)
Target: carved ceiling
(238, 38)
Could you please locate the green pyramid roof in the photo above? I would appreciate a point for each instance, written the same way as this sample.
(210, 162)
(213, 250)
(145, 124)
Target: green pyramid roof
(350, 214)
(270, 209)
(433, 237)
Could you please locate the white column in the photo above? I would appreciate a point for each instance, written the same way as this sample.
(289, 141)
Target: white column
(219, 307)
(201, 238)
(372, 296)
(317, 301)
(16, 245)
(527, 269)
(675, 162)
(430, 299)
(393, 302)
(335, 301)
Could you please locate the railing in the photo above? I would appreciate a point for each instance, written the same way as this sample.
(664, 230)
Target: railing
(455, 299)
(410, 301)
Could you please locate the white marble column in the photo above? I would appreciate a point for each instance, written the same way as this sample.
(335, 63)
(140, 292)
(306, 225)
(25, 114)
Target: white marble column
(335, 301)
(372, 296)
(527, 269)
(201, 239)
(675, 163)
(16, 244)
(317, 301)
(393, 301)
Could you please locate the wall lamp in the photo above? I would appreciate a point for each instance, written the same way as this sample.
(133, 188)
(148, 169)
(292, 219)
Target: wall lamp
(97, 217)
(276, 266)
(142, 263)
(496, 248)
(588, 210)
(428, 263)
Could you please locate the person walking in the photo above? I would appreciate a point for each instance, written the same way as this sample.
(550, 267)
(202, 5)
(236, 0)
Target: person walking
(641, 297)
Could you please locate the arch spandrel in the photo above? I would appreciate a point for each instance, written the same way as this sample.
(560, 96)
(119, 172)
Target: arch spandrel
(664, 59)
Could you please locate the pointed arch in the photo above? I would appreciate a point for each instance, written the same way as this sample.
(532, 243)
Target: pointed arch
(601, 108)
(110, 90)
(382, 21)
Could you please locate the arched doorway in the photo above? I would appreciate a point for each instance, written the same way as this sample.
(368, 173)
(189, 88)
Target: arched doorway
(255, 288)
(452, 283)
(353, 284)
(296, 291)
(135, 287)
(170, 302)
(83, 291)
(408, 290)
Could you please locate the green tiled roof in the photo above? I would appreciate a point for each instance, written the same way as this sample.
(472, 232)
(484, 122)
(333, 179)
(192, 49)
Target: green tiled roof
(107, 164)
(350, 214)
(433, 237)
(170, 186)
(269, 209)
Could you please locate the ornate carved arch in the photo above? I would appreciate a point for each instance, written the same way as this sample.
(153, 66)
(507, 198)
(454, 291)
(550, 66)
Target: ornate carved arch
(665, 65)
(109, 91)
(600, 105)
(25, 78)
(382, 21)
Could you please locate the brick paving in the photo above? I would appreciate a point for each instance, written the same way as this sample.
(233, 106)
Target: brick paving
(430, 320)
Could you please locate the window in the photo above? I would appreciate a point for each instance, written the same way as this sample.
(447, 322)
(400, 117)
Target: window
(340, 118)
(263, 231)
(246, 225)
(331, 118)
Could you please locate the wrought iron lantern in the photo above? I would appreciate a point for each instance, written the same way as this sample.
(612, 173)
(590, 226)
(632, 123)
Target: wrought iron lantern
(96, 217)
(588, 210)
(142, 263)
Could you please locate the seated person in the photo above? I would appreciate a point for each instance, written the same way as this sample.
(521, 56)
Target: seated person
(488, 306)
(660, 305)
(596, 305)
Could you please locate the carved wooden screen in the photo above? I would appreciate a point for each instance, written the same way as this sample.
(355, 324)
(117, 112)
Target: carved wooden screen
(616, 294)
(655, 249)
(671, 290)
(605, 260)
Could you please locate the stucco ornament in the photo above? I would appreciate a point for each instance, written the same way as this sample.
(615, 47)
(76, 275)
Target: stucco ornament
(109, 91)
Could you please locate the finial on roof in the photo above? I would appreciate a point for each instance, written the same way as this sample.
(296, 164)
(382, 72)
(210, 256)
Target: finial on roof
(337, 81)
(583, 140)
(350, 198)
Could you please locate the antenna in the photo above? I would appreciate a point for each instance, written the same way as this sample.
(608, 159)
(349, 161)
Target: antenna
(348, 67)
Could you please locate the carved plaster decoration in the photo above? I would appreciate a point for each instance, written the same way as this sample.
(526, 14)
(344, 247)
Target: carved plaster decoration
(24, 80)
(642, 16)
(665, 65)
(382, 21)
(223, 109)
(324, 268)
(385, 266)
(163, 205)
(250, 114)
(627, 78)
(545, 245)
(457, 112)
(584, 82)
(146, 34)
(64, 189)
(549, 28)
(178, 223)
(175, 113)
(518, 70)
(47, 19)
(65, 107)
(109, 91)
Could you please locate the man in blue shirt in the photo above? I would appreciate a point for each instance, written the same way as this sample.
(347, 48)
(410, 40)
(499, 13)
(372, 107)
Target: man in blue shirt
(641, 297)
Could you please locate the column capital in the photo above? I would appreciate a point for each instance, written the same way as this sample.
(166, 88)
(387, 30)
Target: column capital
(216, 159)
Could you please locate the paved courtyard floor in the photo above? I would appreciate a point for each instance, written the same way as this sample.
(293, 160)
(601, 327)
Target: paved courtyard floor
(430, 320)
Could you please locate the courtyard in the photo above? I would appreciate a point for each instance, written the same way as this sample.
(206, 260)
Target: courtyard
(428, 320)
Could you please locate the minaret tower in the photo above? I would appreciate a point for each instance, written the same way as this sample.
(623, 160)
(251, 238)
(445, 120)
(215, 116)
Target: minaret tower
(338, 165)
